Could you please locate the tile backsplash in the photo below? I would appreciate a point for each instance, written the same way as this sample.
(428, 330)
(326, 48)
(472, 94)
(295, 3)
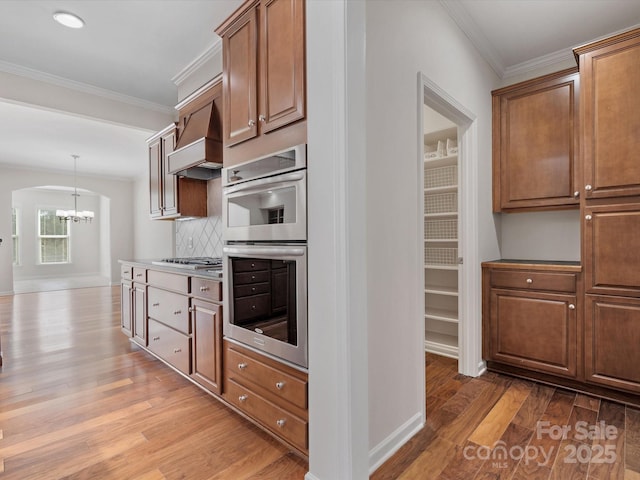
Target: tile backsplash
(200, 237)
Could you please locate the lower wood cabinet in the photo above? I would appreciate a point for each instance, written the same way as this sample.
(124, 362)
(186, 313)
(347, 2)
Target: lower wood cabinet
(126, 313)
(139, 310)
(530, 317)
(207, 344)
(271, 393)
(612, 342)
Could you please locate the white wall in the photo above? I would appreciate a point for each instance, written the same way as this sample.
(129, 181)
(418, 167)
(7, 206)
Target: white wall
(120, 193)
(151, 238)
(84, 238)
(404, 38)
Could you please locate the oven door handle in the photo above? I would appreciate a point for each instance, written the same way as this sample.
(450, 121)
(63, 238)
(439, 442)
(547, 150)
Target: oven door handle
(271, 252)
(260, 183)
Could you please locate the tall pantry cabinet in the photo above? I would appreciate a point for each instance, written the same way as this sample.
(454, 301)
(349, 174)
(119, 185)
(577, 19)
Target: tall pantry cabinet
(610, 207)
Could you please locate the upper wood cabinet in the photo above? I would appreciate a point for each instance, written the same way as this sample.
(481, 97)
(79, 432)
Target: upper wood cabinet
(610, 114)
(535, 149)
(264, 80)
(171, 196)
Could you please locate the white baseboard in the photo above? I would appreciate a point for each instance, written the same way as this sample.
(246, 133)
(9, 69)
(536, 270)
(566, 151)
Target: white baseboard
(441, 349)
(310, 476)
(4, 294)
(390, 445)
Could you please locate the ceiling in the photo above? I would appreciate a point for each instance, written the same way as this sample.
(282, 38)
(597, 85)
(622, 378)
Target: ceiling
(135, 48)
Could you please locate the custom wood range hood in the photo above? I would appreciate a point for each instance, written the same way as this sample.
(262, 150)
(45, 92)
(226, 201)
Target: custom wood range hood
(198, 152)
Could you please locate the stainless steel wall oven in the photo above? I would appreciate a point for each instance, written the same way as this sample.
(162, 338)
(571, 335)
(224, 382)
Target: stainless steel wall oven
(265, 254)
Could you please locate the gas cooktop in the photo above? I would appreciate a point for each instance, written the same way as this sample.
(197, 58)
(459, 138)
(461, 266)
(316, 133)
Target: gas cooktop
(193, 263)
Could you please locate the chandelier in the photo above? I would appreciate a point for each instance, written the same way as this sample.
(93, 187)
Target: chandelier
(75, 215)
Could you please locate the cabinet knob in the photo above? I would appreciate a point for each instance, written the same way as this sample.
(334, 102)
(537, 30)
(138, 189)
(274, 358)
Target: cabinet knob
(243, 398)
(529, 281)
(576, 194)
(204, 289)
(242, 366)
(190, 309)
(279, 385)
(281, 422)
(253, 307)
(587, 217)
(262, 118)
(252, 123)
(587, 188)
(572, 306)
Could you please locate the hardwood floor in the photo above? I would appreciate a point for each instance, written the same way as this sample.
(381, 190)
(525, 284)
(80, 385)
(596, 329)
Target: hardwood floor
(79, 401)
(498, 427)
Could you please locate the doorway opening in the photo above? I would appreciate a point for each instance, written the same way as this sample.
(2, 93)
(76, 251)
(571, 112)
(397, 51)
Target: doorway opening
(448, 233)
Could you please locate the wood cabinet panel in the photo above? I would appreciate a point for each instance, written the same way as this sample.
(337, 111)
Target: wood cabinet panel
(207, 344)
(612, 336)
(126, 313)
(140, 314)
(170, 345)
(206, 289)
(169, 181)
(535, 143)
(610, 73)
(126, 272)
(139, 274)
(169, 281)
(170, 308)
(612, 249)
(155, 177)
(282, 67)
(534, 330)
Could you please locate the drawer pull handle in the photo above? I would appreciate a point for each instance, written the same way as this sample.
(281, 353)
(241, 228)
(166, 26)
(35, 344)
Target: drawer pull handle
(253, 265)
(204, 289)
(138, 274)
(529, 281)
(253, 277)
(177, 312)
(279, 385)
(572, 306)
(155, 339)
(253, 289)
(177, 350)
(253, 307)
(242, 366)
(155, 305)
(243, 398)
(281, 422)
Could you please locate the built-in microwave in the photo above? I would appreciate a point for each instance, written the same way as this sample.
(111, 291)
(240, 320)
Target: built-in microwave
(266, 292)
(266, 199)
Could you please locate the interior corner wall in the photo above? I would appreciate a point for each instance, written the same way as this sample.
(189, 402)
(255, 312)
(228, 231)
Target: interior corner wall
(105, 240)
(405, 37)
(151, 238)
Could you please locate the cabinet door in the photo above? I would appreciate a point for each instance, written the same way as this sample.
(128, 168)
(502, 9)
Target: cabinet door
(612, 336)
(125, 308)
(535, 154)
(239, 80)
(534, 330)
(612, 249)
(139, 311)
(610, 105)
(282, 65)
(155, 178)
(169, 181)
(207, 345)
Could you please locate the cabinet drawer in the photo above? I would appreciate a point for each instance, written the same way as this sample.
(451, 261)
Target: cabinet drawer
(140, 274)
(255, 306)
(279, 421)
(555, 282)
(171, 346)
(244, 369)
(170, 308)
(126, 272)
(251, 289)
(170, 281)
(206, 289)
(250, 277)
(250, 265)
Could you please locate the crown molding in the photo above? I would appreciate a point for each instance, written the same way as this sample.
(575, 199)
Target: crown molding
(563, 56)
(197, 63)
(462, 18)
(33, 74)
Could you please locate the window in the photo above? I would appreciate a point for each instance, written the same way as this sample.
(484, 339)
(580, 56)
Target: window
(54, 237)
(276, 215)
(15, 236)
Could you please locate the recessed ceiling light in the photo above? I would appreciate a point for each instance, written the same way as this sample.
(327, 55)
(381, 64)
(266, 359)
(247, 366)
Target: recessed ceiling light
(68, 19)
